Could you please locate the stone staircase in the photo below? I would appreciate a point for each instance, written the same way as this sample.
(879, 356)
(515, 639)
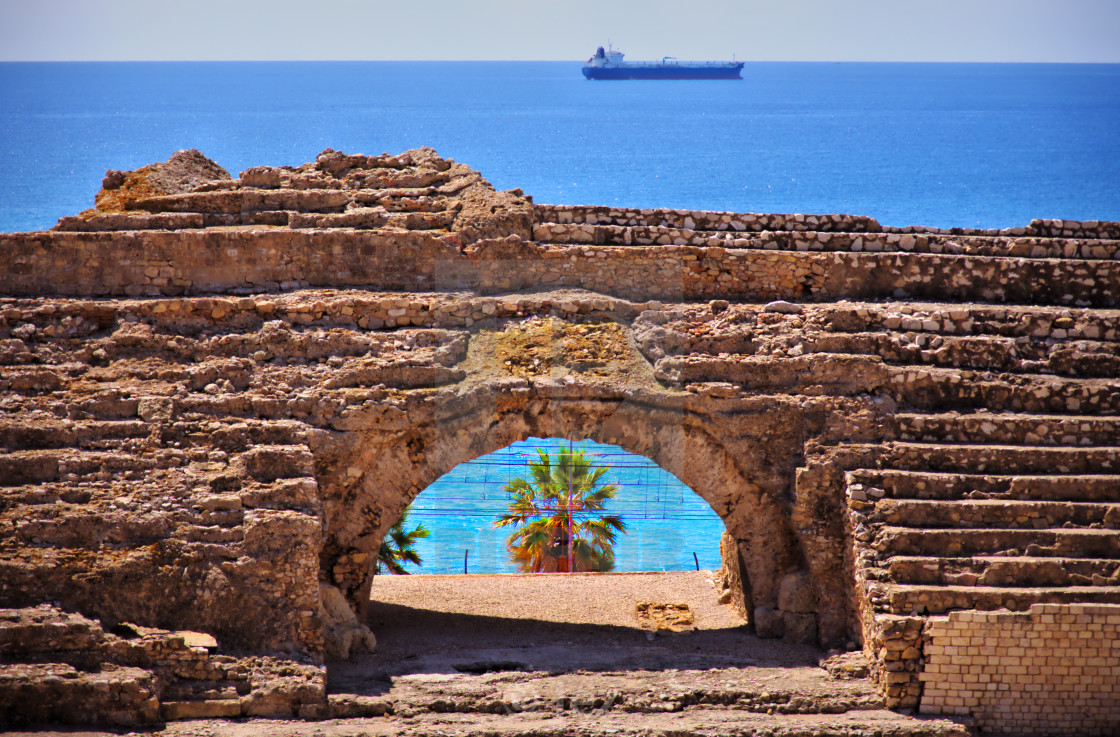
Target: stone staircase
(1000, 485)
(995, 481)
(683, 703)
(96, 422)
(1008, 479)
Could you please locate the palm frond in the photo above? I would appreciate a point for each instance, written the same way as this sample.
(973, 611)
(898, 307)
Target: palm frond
(397, 547)
(561, 497)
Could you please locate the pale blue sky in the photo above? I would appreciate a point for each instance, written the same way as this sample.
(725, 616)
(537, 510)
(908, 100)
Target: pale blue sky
(775, 30)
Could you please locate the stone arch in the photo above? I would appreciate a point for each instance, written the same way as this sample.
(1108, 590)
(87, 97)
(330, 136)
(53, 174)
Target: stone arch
(370, 474)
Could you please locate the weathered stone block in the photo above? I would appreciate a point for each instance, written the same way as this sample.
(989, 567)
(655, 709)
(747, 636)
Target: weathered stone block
(345, 706)
(172, 710)
(768, 622)
(262, 177)
(800, 628)
(797, 593)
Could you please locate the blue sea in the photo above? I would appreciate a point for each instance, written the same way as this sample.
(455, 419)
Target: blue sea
(669, 527)
(976, 145)
(970, 145)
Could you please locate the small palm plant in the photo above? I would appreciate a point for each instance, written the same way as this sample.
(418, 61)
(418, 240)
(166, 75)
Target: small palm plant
(397, 547)
(558, 516)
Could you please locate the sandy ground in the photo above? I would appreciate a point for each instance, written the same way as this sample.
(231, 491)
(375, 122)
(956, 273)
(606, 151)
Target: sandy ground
(525, 637)
(606, 599)
(557, 622)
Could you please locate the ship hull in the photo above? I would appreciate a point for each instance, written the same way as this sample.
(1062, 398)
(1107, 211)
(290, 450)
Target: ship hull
(731, 71)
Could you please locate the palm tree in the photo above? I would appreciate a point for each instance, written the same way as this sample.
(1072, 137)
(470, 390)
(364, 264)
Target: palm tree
(557, 515)
(396, 548)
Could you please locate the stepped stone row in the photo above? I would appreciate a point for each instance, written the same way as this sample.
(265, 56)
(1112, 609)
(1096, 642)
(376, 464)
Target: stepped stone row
(216, 397)
(144, 263)
(930, 485)
(755, 222)
(997, 428)
(827, 240)
(60, 667)
(700, 220)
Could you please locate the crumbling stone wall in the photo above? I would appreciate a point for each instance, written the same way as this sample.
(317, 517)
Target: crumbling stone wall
(61, 667)
(215, 402)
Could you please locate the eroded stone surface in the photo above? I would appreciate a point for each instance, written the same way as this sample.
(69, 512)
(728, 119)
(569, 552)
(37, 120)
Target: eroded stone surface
(185, 171)
(665, 617)
(215, 402)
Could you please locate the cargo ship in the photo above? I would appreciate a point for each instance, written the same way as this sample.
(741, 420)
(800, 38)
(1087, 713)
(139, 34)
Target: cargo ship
(608, 64)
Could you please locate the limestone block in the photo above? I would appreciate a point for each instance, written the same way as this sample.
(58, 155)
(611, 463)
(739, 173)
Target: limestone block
(342, 632)
(270, 705)
(155, 409)
(215, 502)
(172, 710)
(263, 177)
(197, 639)
(800, 628)
(797, 594)
(769, 623)
(347, 706)
(270, 463)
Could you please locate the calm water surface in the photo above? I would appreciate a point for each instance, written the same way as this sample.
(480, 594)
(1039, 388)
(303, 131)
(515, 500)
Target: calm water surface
(989, 145)
(666, 522)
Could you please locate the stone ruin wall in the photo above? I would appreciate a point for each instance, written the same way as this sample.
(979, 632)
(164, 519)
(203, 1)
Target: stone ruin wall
(680, 264)
(1054, 669)
(216, 402)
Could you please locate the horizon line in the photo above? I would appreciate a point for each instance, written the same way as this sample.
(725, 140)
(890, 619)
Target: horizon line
(534, 61)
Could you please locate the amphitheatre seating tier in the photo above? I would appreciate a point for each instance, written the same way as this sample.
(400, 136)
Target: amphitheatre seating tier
(214, 403)
(827, 240)
(946, 598)
(733, 221)
(928, 485)
(1003, 571)
(998, 428)
(996, 513)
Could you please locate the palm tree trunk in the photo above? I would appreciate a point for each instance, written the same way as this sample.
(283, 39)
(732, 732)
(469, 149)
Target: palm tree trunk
(571, 561)
(571, 546)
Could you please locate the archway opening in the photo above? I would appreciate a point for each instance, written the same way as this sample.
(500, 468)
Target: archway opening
(668, 527)
(436, 625)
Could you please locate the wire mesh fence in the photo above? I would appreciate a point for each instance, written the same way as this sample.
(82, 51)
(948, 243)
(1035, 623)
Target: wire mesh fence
(668, 527)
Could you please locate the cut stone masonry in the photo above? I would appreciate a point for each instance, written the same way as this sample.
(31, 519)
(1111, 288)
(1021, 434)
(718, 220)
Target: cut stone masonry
(215, 401)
